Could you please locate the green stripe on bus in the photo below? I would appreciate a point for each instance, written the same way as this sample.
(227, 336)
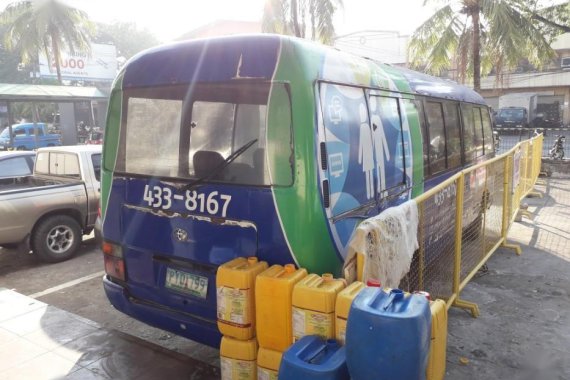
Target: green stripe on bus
(112, 135)
(300, 207)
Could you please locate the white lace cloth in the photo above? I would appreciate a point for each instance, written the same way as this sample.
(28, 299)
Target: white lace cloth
(388, 242)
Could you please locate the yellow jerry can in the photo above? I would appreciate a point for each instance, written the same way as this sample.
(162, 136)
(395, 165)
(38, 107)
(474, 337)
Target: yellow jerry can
(438, 345)
(238, 359)
(343, 302)
(314, 299)
(235, 291)
(273, 296)
(268, 362)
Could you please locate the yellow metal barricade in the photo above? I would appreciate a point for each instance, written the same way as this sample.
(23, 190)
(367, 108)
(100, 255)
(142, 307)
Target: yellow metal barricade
(465, 219)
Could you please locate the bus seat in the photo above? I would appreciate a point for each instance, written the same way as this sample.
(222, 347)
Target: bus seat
(206, 161)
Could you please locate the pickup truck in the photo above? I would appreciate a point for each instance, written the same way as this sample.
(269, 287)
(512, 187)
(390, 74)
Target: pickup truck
(24, 137)
(51, 210)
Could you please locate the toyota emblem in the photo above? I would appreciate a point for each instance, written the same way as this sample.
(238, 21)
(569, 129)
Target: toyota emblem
(180, 234)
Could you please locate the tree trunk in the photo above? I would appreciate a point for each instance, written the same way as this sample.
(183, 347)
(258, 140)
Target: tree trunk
(295, 18)
(56, 57)
(476, 50)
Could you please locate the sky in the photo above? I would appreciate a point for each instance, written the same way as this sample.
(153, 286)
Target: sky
(168, 19)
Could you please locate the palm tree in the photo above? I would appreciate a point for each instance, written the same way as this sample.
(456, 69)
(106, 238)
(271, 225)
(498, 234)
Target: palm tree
(297, 17)
(479, 35)
(45, 25)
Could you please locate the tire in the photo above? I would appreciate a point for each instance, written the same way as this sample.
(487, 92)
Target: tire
(56, 238)
(21, 148)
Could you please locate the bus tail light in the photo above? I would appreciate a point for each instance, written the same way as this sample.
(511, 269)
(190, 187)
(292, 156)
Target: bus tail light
(114, 262)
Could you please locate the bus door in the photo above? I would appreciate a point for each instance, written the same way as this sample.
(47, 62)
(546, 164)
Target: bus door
(347, 158)
(392, 150)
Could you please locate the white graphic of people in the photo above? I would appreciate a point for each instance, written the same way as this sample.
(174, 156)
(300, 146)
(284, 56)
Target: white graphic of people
(381, 149)
(365, 151)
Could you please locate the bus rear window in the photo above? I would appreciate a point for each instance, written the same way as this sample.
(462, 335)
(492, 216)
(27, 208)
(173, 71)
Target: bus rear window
(191, 132)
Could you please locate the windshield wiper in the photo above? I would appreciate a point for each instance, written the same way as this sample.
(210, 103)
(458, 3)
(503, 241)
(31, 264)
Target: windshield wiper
(218, 169)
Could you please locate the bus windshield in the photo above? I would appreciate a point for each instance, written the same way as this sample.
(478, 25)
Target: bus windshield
(186, 132)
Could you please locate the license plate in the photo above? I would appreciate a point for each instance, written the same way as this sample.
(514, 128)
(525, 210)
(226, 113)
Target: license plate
(186, 282)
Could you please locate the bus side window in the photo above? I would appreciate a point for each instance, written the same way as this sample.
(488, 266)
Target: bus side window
(387, 140)
(478, 131)
(414, 110)
(487, 131)
(436, 146)
(468, 133)
(452, 130)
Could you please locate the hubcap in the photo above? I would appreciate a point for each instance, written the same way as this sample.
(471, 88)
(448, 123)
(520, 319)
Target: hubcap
(59, 239)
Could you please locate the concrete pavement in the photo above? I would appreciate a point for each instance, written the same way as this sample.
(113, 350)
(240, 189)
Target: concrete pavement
(523, 331)
(39, 341)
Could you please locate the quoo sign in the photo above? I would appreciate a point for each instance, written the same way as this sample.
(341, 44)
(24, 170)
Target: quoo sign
(100, 64)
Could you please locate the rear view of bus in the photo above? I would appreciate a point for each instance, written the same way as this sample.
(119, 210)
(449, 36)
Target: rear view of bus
(198, 137)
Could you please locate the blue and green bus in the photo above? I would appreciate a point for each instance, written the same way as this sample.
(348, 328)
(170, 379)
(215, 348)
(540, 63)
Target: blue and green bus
(266, 146)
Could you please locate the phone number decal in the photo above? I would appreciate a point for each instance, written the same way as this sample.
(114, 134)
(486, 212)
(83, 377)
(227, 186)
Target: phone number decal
(212, 203)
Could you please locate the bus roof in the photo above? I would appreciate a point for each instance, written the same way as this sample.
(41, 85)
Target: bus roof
(256, 57)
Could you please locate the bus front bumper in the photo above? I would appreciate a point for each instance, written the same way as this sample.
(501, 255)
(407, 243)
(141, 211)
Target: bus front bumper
(182, 324)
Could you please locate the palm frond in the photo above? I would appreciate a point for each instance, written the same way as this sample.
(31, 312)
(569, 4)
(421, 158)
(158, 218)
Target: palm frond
(513, 35)
(433, 45)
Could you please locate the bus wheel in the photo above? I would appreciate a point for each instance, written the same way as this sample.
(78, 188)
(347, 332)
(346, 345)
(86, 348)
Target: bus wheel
(21, 148)
(56, 238)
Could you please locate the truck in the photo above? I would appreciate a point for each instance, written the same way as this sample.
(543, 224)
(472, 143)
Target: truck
(517, 110)
(28, 136)
(50, 211)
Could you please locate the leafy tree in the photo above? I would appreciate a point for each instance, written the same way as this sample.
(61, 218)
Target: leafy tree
(47, 25)
(126, 36)
(479, 35)
(297, 17)
(11, 71)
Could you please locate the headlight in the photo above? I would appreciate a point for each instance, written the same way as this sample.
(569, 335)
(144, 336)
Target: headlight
(519, 125)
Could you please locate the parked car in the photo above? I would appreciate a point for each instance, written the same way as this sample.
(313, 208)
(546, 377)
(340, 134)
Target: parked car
(14, 166)
(512, 117)
(25, 137)
(50, 211)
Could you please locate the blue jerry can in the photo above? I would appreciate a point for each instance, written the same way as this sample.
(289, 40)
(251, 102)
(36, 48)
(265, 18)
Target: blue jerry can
(388, 335)
(313, 358)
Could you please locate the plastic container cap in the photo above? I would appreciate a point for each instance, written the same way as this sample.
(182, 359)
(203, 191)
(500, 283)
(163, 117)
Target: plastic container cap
(423, 293)
(289, 268)
(252, 260)
(327, 276)
(373, 283)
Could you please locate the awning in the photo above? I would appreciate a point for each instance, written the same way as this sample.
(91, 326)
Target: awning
(47, 93)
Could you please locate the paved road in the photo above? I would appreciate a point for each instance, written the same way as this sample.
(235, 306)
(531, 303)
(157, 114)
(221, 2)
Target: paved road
(75, 286)
(510, 139)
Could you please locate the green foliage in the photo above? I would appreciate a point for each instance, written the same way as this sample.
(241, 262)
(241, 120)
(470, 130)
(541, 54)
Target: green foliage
(510, 31)
(49, 26)
(24, 110)
(301, 17)
(126, 36)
